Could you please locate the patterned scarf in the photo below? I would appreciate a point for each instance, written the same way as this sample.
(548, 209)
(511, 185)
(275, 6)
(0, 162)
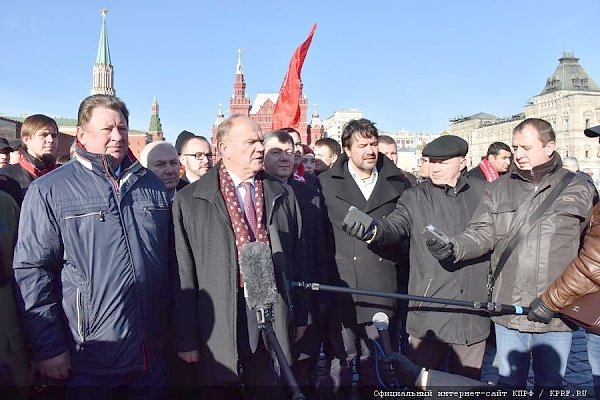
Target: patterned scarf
(28, 163)
(241, 228)
(488, 170)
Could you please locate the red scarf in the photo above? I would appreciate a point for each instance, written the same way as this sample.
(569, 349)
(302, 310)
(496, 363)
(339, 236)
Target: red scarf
(32, 169)
(241, 229)
(488, 170)
(299, 174)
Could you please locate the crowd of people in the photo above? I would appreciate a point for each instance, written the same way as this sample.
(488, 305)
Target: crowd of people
(125, 275)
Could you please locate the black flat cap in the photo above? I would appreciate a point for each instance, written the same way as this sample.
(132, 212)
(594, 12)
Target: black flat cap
(183, 137)
(446, 146)
(4, 145)
(594, 131)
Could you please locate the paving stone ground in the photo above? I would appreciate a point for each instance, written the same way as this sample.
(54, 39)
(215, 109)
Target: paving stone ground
(578, 376)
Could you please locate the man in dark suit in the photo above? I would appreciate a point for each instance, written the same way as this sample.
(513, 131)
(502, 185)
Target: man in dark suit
(234, 203)
(364, 178)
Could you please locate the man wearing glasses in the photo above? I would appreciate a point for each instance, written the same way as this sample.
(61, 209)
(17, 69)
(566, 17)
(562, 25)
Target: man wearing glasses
(196, 158)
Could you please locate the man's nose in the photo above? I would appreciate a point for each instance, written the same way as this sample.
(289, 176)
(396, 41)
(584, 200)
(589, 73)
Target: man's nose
(116, 135)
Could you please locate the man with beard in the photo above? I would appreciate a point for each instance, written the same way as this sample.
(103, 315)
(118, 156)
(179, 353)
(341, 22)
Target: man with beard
(364, 178)
(39, 136)
(438, 334)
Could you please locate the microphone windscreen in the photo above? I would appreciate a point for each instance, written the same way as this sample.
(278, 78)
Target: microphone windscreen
(256, 264)
(381, 321)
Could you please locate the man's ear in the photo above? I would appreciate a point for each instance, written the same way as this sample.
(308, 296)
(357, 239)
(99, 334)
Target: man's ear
(334, 158)
(550, 148)
(223, 150)
(80, 135)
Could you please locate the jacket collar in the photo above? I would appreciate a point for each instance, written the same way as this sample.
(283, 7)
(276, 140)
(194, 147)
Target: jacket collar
(461, 184)
(101, 163)
(539, 173)
(382, 193)
(209, 187)
(385, 167)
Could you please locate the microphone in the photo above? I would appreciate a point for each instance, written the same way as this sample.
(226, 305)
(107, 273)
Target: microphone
(260, 289)
(258, 272)
(381, 323)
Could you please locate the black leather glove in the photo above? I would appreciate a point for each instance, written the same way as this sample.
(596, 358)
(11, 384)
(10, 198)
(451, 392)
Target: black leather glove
(441, 251)
(540, 312)
(358, 224)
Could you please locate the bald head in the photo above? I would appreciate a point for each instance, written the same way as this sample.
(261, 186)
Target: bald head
(162, 159)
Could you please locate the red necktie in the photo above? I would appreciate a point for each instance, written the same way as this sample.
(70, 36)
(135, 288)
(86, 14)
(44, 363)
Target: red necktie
(249, 209)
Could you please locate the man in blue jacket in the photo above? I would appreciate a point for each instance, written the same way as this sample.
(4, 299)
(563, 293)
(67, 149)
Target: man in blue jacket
(91, 264)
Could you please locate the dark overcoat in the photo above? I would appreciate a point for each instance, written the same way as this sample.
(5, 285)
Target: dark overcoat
(206, 302)
(357, 266)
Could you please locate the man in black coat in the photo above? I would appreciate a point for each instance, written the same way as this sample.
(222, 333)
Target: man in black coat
(213, 218)
(366, 179)
(279, 163)
(447, 200)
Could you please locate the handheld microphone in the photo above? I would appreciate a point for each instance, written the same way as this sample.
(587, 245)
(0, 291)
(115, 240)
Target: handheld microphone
(260, 290)
(381, 323)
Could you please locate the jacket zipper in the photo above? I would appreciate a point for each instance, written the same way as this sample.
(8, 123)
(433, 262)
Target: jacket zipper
(147, 209)
(100, 214)
(426, 290)
(116, 190)
(80, 312)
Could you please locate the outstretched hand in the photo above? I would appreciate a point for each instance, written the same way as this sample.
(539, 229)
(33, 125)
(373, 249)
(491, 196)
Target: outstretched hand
(358, 224)
(441, 251)
(540, 312)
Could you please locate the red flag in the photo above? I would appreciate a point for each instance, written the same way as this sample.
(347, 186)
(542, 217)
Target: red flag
(287, 109)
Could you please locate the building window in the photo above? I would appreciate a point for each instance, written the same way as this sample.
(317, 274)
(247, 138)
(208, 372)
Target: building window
(587, 154)
(587, 123)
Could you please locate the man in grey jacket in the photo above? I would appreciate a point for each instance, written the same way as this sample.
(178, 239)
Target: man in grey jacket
(438, 333)
(537, 260)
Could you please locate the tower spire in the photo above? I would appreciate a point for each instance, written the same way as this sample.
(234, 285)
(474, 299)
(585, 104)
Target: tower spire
(103, 74)
(155, 126)
(239, 70)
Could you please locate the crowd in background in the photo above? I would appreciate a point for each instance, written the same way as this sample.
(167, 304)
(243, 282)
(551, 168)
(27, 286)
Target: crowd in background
(126, 275)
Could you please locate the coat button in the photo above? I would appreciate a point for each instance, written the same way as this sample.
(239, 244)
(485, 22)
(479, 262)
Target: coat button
(383, 217)
(354, 258)
(380, 258)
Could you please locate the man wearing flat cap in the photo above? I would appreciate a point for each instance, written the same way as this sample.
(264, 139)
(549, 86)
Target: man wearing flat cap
(544, 246)
(5, 150)
(438, 333)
